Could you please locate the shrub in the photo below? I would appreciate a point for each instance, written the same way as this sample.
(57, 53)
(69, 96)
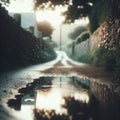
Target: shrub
(85, 58)
(105, 58)
(82, 37)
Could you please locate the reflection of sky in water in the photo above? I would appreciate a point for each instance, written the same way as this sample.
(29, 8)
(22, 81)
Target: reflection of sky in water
(51, 96)
(26, 112)
(51, 100)
(54, 99)
(60, 97)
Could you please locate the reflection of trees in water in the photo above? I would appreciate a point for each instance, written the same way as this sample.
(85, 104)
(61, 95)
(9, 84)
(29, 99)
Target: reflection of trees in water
(49, 115)
(28, 90)
(75, 110)
(75, 106)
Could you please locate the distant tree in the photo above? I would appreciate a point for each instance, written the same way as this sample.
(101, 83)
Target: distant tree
(77, 31)
(5, 1)
(46, 28)
(82, 37)
(49, 3)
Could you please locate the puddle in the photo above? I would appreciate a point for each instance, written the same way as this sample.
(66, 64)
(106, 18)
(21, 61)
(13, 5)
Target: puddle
(65, 98)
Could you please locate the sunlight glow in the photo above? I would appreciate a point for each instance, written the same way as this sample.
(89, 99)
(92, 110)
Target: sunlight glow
(20, 6)
(71, 2)
(54, 17)
(82, 21)
(54, 99)
(83, 97)
(50, 101)
(89, 3)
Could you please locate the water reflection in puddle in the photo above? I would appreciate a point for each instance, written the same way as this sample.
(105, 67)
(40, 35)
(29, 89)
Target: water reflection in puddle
(56, 98)
(59, 98)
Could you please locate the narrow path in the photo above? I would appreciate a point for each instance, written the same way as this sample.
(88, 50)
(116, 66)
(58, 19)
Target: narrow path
(68, 67)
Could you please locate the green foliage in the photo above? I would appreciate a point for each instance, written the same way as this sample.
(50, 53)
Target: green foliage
(70, 45)
(117, 56)
(101, 11)
(97, 10)
(77, 31)
(68, 49)
(85, 58)
(50, 3)
(93, 20)
(105, 58)
(82, 37)
(38, 53)
(78, 8)
(6, 2)
(19, 47)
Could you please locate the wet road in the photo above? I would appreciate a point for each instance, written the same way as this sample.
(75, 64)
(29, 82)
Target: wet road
(67, 67)
(49, 94)
(65, 98)
(62, 66)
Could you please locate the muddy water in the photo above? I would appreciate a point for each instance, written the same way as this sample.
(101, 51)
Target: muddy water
(65, 98)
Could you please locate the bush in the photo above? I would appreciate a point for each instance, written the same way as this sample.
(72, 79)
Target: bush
(19, 47)
(86, 58)
(104, 58)
(100, 12)
(82, 37)
(77, 31)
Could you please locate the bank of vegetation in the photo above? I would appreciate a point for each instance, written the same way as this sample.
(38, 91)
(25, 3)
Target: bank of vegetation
(104, 29)
(19, 47)
(105, 25)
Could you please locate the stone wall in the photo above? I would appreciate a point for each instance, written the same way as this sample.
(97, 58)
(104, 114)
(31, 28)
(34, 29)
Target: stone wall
(105, 44)
(107, 38)
(77, 50)
(82, 48)
(107, 35)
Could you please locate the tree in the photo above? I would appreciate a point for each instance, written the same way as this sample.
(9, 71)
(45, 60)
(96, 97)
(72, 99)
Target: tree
(42, 3)
(79, 8)
(77, 31)
(101, 11)
(20, 47)
(5, 1)
(46, 28)
(76, 9)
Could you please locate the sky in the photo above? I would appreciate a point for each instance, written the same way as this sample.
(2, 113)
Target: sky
(65, 30)
(18, 6)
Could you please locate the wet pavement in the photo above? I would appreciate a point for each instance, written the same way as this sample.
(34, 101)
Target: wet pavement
(65, 98)
(20, 89)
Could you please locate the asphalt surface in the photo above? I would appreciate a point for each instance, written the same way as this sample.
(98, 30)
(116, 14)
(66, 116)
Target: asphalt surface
(11, 81)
